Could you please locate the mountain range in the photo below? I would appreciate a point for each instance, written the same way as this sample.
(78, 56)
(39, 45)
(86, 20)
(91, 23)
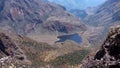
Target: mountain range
(28, 27)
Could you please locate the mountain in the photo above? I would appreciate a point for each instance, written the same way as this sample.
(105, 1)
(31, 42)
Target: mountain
(108, 55)
(106, 15)
(22, 22)
(37, 16)
(78, 4)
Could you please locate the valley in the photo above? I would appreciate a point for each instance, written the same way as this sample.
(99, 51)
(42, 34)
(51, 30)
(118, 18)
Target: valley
(59, 34)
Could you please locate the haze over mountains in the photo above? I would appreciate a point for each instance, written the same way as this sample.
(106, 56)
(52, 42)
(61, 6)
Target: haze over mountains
(80, 8)
(78, 4)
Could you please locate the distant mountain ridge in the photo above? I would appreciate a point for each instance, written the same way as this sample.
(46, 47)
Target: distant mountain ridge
(78, 4)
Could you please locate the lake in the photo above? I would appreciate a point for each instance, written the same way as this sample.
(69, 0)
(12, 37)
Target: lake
(73, 37)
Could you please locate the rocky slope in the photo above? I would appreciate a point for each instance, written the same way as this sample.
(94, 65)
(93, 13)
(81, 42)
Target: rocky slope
(25, 16)
(11, 54)
(108, 56)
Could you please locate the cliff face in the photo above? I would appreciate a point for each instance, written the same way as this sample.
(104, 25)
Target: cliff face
(24, 16)
(109, 54)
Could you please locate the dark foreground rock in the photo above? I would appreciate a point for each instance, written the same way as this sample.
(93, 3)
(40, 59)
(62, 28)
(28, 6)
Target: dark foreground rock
(109, 54)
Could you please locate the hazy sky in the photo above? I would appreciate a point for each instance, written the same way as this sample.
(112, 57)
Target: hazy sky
(78, 4)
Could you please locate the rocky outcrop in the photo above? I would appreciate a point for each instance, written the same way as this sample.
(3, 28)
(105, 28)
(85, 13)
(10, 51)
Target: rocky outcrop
(10, 53)
(109, 54)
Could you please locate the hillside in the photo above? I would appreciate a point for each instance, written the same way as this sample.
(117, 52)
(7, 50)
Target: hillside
(37, 16)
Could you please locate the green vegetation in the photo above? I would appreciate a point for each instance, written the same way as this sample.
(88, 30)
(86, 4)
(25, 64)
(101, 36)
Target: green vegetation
(37, 46)
(71, 58)
(33, 50)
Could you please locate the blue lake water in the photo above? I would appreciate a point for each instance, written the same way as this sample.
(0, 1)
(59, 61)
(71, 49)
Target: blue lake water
(74, 37)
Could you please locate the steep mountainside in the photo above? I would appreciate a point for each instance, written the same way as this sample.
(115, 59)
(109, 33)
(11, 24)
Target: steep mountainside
(25, 16)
